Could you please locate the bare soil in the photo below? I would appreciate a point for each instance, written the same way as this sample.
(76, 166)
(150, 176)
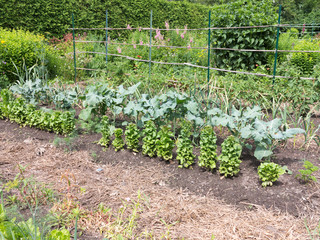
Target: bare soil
(194, 202)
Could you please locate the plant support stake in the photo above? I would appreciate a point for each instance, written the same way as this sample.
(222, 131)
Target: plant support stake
(277, 44)
(209, 34)
(150, 47)
(74, 51)
(106, 38)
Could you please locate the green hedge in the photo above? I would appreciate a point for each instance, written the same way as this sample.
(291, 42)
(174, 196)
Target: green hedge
(53, 17)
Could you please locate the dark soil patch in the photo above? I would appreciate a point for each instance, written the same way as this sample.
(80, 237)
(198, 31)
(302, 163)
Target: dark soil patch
(244, 191)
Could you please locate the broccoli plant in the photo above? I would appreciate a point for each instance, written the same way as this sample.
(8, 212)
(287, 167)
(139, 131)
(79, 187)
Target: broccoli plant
(208, 148)
(118, 142)
(269, 172)
(105, 132)
(184, 146)
(149, 140)
(132, 137)
(230, 157)
(165, 144)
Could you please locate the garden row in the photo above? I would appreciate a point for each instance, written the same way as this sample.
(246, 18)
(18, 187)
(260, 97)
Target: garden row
(17, 110)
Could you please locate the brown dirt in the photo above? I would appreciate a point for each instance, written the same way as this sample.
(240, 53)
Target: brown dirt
(197, 203)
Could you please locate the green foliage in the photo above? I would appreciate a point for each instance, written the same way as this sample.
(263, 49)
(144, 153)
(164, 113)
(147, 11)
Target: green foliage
(105, 132)
(165, 143)
(269, 172)
(306, 61)
(118, 142)
(132, 137)
(20, 48)
(59, 234)
(16, 110)
(208, 148)
(306, 174)
(54, 17)
(230, 157)
(184, 146)
(149, 140)
(243, 13)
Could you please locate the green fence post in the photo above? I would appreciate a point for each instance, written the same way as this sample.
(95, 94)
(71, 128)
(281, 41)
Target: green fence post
(74, 51)
(209, 50)
(106, 39)
(277, 45)
(312, 32)
(150, 44)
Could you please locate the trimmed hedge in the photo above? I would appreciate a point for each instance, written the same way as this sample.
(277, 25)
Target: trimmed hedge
(53, 17)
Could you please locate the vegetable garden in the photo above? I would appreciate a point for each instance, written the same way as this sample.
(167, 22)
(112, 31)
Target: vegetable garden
(208, 105)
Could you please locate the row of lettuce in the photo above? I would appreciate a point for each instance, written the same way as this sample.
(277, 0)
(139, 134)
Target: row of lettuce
(26, 114)
(153, 116)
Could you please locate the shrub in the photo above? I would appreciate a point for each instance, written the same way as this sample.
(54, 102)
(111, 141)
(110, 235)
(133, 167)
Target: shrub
(243, 13)
(23, 48)
(306, 61)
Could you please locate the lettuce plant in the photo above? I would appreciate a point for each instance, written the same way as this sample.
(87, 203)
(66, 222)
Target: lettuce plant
(105, 132)
(149, 140)
(165, 144)
(184, 146)
(208, 149)
(230, 157)
(269, 172)
(118, 142)
(132, 137)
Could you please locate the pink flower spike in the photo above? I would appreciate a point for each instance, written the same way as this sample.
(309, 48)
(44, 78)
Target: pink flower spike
(304, 28)
(139, 29)
(191, 40)
(128, 27)
(119, 50)
(167, 24)
(141, 42)
(177, 31)
(168, 39)
(189, 47)
(134, 46)
(182, 35)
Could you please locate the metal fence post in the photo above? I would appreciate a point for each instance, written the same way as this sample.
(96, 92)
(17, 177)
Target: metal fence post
(150, 44)
(106, 39)
(74, 51)
(277, 45)
(209, 50)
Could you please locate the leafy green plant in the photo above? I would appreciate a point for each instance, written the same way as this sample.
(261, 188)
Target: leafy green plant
(306, 174)
(149, 140)
(118, 142)
(269, 172)
(165, 143)
(184, 146)
(230, 157)
(105, 132)
(208, 149)
(132, 137)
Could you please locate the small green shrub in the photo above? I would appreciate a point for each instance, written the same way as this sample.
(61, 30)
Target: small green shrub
(269, 172)
(230, 157)
(306, 61)
(105, 132)
(184, 146)
(132, 137)
(149, 140)
(208, 148)
(118, 142)
(306, 174)
(165, 144)
(23, 48)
